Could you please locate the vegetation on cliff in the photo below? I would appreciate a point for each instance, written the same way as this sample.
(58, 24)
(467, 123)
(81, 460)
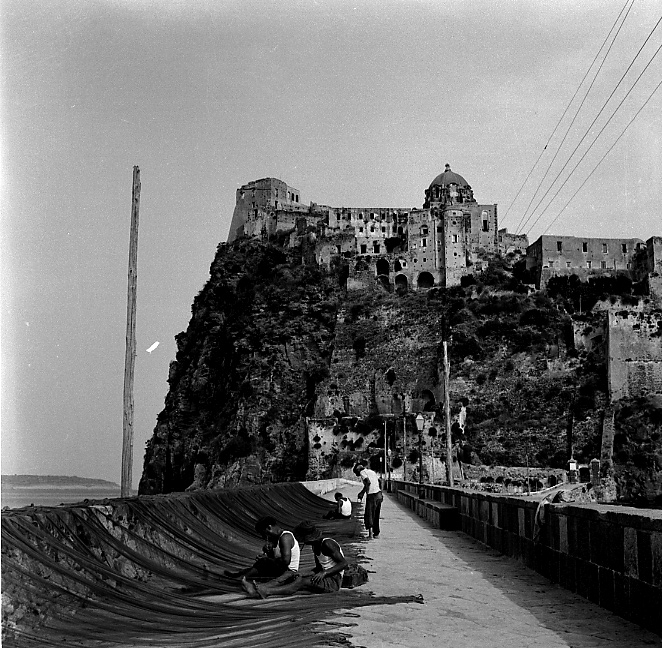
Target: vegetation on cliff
(259, 340)
(271, 333)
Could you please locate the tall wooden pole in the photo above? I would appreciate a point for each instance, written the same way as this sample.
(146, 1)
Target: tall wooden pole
(130, 355)
(447, 409)
(404, 448)
(385, 456)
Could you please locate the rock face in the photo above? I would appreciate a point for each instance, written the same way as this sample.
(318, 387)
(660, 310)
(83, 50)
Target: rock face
(244, 378)
(288, 371)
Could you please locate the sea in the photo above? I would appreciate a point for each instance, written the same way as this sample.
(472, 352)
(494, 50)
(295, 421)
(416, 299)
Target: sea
(20, 496)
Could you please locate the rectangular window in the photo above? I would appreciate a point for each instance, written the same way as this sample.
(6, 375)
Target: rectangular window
(589, 264)
(383, 229)
(603, 265)
(424, 242)
(604, 248)
(338, 249)
(360, 230)
(559, 246)
(624, 248)
(584, 246)
(486, 226)
(364, 248)
(375, 247)
(567, 264)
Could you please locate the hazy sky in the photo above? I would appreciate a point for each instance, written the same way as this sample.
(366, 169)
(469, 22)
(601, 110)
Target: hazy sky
(353, 103)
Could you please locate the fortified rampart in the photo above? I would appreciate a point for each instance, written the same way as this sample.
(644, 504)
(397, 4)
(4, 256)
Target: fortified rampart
(634, 357)
(610, 555)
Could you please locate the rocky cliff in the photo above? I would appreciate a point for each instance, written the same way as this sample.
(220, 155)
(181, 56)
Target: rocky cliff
(287, 371)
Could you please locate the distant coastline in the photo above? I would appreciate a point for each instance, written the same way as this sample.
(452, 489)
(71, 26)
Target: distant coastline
(19, 491)
(54, 481)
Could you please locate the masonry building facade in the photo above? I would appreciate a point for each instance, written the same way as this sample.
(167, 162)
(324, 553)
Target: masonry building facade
(403, 247)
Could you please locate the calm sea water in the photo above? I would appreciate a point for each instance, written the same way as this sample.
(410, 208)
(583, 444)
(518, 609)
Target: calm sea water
(19, 497)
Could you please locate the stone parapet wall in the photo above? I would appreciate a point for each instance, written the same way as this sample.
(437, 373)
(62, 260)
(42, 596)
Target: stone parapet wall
(611, 555)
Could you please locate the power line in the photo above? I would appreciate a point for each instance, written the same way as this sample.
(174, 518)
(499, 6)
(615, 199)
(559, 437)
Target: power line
(523, 222)
(588, 130)
(596, 137)
(563, 115)
(604, 156)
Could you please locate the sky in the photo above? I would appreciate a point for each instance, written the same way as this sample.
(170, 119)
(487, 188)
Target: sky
(352, 103)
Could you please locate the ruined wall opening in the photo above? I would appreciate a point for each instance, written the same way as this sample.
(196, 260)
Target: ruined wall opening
(384, 282)
(401, 283)
(425, 280)
(428, 398)
(383, 267)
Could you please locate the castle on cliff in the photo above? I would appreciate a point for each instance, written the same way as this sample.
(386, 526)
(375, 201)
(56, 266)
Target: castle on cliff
(436, 245)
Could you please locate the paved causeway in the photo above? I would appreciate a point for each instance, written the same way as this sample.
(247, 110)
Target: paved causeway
(474, 597)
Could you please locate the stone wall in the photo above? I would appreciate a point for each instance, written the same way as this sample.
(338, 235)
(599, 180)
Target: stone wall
(610, 555)
(634, 359)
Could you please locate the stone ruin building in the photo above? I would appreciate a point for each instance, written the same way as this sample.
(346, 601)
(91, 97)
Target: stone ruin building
(405, 248)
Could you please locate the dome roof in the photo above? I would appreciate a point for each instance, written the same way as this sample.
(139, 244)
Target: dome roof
(449, 177)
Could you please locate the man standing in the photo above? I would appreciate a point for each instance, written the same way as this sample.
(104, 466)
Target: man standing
(373, 503)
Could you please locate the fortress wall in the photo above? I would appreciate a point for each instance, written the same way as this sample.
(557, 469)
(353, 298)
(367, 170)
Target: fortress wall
(611, 555)
(634, 361)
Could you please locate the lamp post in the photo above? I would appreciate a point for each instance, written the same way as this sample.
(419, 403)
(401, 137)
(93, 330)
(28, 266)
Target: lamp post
(419, 426)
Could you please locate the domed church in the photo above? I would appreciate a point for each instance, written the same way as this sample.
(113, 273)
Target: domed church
(402, 248)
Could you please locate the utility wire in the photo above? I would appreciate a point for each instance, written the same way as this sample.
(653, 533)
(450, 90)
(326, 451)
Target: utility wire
(523, 222)
(588, 130)
(563, 115)
(603, 157)
(595, 139)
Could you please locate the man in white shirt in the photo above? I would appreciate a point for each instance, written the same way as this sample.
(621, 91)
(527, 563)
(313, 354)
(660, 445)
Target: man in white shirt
(373, 503)
(342, 510)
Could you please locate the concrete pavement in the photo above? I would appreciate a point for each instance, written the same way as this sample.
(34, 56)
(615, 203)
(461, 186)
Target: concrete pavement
(473, 597)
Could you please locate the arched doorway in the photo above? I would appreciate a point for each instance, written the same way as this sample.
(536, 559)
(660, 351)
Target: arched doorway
(425, 280)
(428, 397)
(401, 283)
(383, 267)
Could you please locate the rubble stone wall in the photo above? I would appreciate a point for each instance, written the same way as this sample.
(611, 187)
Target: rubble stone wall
(634, 353)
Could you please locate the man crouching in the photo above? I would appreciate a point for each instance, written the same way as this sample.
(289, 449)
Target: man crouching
(330, 564)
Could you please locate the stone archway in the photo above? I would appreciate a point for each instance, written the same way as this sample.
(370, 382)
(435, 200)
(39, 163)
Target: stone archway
(430, 401)
(383, 267)
(401, 283)
(425, 280)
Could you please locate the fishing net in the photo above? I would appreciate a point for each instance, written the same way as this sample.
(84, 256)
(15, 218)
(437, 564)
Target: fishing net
(150, 571)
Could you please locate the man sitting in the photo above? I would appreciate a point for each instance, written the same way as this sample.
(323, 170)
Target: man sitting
(330, 564)
(342, 510)
(280, 555)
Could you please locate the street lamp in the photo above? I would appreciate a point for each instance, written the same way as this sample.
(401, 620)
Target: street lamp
(420, 421)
